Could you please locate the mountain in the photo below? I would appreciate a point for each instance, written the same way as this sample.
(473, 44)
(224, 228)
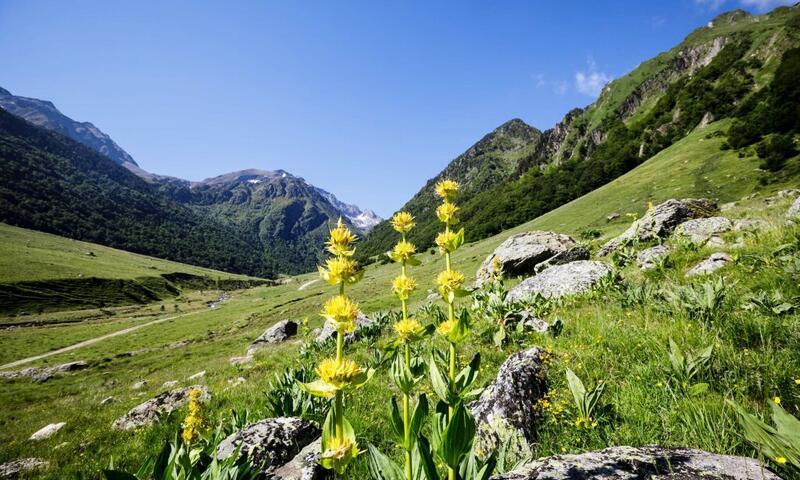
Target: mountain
(44, 114)
(363, 220)
(54, 184)
(725, 69)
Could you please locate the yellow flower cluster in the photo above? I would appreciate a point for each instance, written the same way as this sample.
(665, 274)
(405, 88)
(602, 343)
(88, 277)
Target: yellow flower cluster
(403, 251)
(402, 286)
(408, 329)
(339, 374)
(342, 312)
(193, 422)
(447, 213)
(341, 240)
(445, 328)
(403, 222)
(340, 269)
(447, 241)
(446, 189)
(449, 281)
(340, 452)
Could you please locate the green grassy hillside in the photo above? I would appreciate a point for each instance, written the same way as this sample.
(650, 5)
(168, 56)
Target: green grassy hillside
(608, 335)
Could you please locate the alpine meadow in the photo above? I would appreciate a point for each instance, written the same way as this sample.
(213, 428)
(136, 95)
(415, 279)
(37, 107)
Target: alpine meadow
(614, 297)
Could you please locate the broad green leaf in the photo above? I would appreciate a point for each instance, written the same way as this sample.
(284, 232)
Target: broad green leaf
(381, 467)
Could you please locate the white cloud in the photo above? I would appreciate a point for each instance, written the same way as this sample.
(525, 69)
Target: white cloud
(591, 82)
(758, 5)
(539, 79)
(560, 87)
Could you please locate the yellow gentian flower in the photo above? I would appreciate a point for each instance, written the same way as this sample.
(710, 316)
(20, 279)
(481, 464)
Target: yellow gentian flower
(446, 327)
(446, 189)
(342, 312)
(447, 213)
(446, 241)
(341, 239)
(403, 251)
(340, 270)
(403, 222)
(408, 329)
(339, 374)
(403, 285)
(449, 281)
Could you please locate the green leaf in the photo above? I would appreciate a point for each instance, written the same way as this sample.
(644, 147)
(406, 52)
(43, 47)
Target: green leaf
(457, 438)
(398, 428)
(426, 458)
(380, 466)
(439, 384)
(419, 415)
(698, 389)
(576, 387)
(786, 425)
(467, 375)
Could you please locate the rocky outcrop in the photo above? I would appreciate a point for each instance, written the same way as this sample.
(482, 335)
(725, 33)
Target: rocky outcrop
(44, 374)
(710, 265)
(304, 466)
(328, 333)
(649, 258)
(519, 254)
(162, 404)
(561, 280)
(272, 443)
(277, 333)
(241, 360)
(793, 213)
(48, 431)
(573, 254)
(505, 411)
(701, 230)
(635, 463)
(19, 468)
(661, 221)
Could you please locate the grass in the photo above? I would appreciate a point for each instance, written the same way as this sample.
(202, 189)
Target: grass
(755, 357)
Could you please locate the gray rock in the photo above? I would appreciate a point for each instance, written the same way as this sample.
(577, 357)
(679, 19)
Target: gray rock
(793, 213)
(661, 221)
(710, 265)
(505, 411)
(107, 400)
(169, 383)
(277, 333)
(240, 360)
(727, 206)
(197, 375)
(701, 230)
(38, 374)
(534, 324)
(328, 332)
(48, 431)
(519, 254)
(573, 254)
(612, 216)
(139, 385)
(649, 258)
(304, 465)
(749, 225)
(270, 443)
(17, 468)
(561, 280)
(637, 463)
(162, 404)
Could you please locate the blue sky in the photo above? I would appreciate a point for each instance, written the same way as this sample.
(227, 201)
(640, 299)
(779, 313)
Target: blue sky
(365, 99)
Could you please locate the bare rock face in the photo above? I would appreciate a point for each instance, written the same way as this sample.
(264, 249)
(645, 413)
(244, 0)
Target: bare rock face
(280, 332)
(519, 254)
(162, 404)
(271, 443)
(661, 221)
(328, 333)
(304, 465)
(710, 265)
(701, 230)
(649, 258)
(48, 431)
(632, 463)
(18, 468)
(561, 280)
(793, 214)
(40, 375)
(505, 411)
(573, 254)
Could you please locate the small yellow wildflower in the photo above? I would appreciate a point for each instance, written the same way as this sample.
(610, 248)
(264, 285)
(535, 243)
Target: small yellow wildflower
(781, 460)
(446, 189)
(338, 374)
(341, 239)
(797, 381)
(402, 286)
(339, 452)
(340, 270)
(194, 420)
(403, 222)
(447, 213)
(403, 251)
(777, 400)
(447, 241)
(408, 329)
(342, 312)
(659, 385)
(449, 281)
(446, 327)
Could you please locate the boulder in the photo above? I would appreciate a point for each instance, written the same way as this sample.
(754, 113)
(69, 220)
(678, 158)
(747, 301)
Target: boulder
(328, 332)
(701, 230)
(139, 385)
(240, 360)
(634, 463)
(162, 404)
(573, 254)
(649, 258)
(270, 443)
(661, 221)
(304, 465)
(561, 280)
(38, 374)
(505, 411)
(20, 467)
(519, 254)
(710, 265)
(48, 431)
(277, 333)
(793, 214)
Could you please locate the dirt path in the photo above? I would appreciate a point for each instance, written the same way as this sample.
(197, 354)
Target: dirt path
(308, 284)
(92, 341)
